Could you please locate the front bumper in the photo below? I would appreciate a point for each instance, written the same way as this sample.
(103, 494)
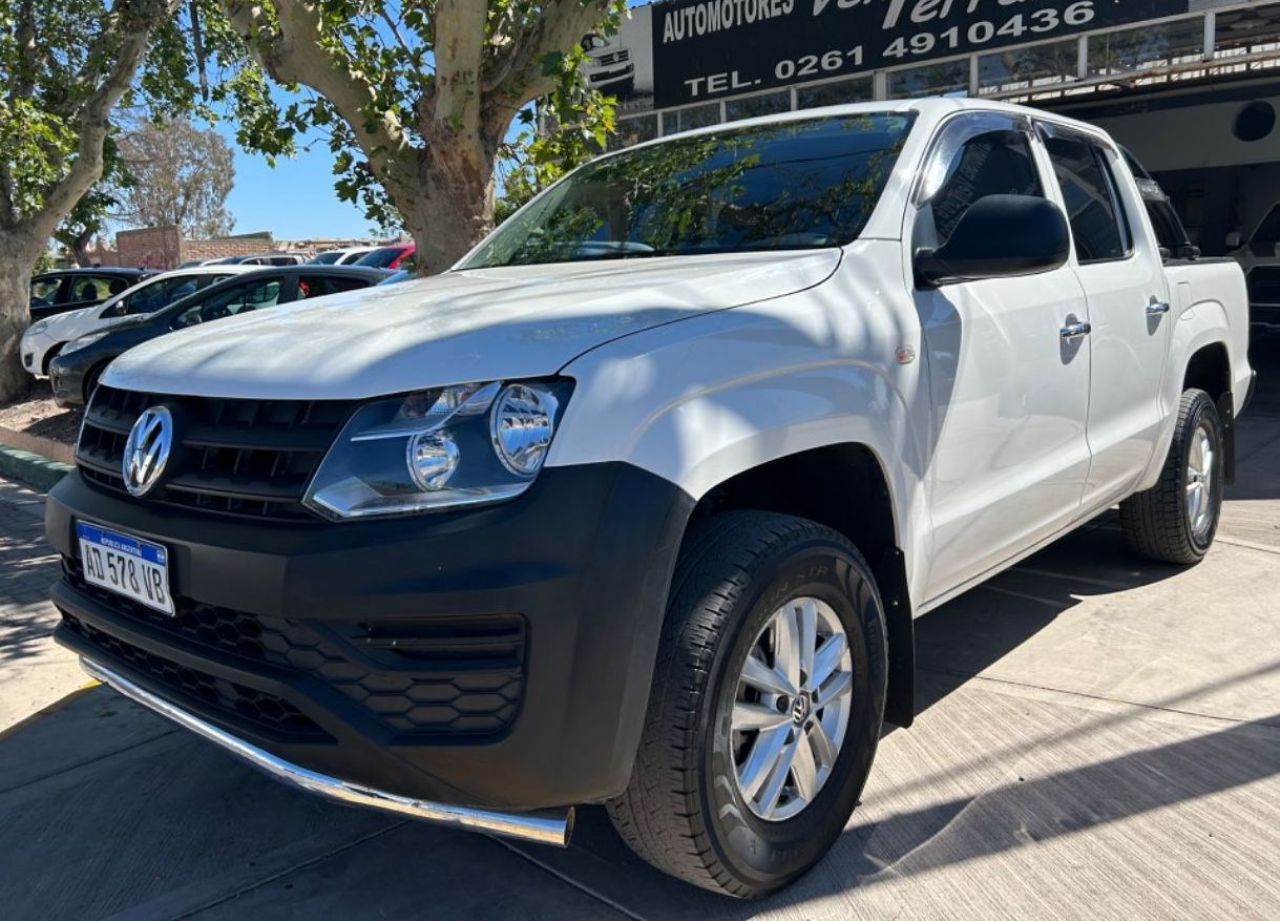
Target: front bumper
(543, 829)
(524, 634)
(66, 380)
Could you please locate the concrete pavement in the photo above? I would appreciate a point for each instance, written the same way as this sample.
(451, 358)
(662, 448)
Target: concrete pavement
(1100, 738)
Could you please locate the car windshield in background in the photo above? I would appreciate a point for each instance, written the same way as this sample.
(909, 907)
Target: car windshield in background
(792, 185)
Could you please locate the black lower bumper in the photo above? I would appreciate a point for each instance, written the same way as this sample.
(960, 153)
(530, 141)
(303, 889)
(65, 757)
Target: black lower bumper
(498, 657)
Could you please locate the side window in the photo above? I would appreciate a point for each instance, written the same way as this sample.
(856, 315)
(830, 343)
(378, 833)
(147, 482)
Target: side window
(1098, 221)
(974, 157)
(320, 285)
(87, 289)
(44, 291)
(237, 299)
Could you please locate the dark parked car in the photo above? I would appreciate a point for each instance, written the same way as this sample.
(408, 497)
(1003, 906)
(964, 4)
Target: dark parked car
(74, 373)
(72, 289)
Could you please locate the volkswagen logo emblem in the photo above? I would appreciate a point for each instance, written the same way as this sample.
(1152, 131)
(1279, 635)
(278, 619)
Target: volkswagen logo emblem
(147, 450)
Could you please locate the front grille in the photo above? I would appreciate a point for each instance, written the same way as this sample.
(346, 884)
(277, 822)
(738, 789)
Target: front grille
(265, 711)
(428, 678)
(245, 458)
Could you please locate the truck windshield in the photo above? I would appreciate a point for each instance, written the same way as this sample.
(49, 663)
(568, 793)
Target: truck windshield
(791, 185)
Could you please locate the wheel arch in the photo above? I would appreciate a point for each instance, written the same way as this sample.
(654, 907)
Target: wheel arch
(800, 484)
(50, 354)
(1208, 368)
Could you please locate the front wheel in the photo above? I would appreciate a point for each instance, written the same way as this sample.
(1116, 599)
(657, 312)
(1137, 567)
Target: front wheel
(766, 706)
(1176, 520)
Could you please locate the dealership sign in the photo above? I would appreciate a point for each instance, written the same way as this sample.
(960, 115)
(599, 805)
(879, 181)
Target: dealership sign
(707, 49)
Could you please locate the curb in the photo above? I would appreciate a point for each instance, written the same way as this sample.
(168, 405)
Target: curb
(32, 470)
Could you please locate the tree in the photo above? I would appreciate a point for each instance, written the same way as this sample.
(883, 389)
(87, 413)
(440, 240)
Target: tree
(65, 67)
(178, 175)
(418, 98)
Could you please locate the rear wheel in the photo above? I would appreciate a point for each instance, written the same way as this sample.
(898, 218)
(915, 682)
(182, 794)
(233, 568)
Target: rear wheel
(766, 706)
(1176, 520)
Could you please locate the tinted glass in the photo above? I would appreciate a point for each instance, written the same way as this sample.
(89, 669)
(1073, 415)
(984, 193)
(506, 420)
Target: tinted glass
(320, 285)
(795, 185)
(326, 258)
(91, 288)
(1093, 207)
(381, 258)
(992, 162)
(164, 291)
(237, 299)
(44, 291)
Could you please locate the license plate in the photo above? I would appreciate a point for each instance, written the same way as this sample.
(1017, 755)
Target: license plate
(126, 565)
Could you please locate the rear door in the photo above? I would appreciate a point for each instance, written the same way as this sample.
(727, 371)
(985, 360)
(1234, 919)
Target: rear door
(1120, 268)
(1010, 395)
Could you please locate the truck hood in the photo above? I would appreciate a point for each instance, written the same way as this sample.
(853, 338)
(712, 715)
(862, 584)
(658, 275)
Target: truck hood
(490, 324)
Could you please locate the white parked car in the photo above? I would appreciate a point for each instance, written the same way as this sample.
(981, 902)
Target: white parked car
(45, 338)
(341, 256)
(636, 505)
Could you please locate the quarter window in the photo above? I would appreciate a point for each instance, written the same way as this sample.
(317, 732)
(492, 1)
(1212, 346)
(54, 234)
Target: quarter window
(1092, 197)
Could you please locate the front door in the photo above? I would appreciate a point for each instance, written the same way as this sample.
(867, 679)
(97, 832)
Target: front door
(1010, 393)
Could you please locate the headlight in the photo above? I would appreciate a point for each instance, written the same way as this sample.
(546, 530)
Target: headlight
(38, 327)
(83, 342)
(464, 445)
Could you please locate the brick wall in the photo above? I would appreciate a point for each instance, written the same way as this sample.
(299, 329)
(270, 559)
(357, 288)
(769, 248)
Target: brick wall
(149, 248)
(221, 247)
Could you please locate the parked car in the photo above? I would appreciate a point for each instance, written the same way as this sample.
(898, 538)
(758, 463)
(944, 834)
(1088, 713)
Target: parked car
(396, 256)
(1259, 256)
(261, 259)
(636, 504)
(75, 289)
(45, 338)
(346, 256)
(74, 373)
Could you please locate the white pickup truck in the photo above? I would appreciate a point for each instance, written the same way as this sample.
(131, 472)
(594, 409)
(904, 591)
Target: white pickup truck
(636, 505)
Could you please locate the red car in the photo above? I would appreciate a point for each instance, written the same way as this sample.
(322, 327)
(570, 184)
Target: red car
(395, 256)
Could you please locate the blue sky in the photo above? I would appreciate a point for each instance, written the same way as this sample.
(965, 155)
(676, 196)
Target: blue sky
(294, 200)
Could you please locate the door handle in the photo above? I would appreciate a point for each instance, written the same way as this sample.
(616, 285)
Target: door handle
(1157, 309)
(1073, 331)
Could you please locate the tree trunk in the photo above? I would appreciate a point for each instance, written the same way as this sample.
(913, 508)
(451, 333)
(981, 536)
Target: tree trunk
(450, 208)
(15, 292)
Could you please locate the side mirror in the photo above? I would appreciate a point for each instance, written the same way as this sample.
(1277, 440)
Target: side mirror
(1235, 240)
(1000, 236)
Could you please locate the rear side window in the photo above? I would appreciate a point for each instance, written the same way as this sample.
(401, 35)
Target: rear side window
(320, 285)
(975, 157)
(1098, 221)
(90, 288)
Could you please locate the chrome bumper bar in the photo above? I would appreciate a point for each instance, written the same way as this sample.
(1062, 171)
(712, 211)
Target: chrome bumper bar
(537, 827)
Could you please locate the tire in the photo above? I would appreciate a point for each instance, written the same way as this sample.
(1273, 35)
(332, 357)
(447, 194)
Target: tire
(1161, 524)
(685, 810)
